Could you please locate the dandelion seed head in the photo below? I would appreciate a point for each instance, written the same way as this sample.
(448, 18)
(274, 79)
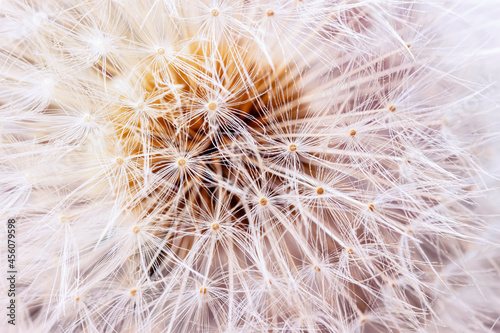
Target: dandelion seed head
(249, 147)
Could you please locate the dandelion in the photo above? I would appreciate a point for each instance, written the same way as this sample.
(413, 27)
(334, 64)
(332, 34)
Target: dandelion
(239, 166)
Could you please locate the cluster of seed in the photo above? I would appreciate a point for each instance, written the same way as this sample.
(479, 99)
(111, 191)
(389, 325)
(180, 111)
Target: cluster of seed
(230, 166)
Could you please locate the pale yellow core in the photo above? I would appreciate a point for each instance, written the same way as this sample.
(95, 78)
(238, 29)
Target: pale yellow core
(87, 118)
(119, 160)
(215, 12)
(141, 105)
(263, 201)
(181, 162)
(160, 50)
(133, 292)
(77, 299)
(292, 147)
(320, 190)
(353, 132)
(392, 108)
(270, 12)
(203, 290)
(212, 106)
(63, 219)
(135, 229)
(215, 226)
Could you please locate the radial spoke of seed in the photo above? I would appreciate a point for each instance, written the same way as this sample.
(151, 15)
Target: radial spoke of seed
(299, 236)
(339, 116)
(308, 180)
(303, 44)
(312, 95)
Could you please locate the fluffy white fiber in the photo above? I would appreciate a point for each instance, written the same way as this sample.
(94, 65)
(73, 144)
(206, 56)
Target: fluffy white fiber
(250, 166)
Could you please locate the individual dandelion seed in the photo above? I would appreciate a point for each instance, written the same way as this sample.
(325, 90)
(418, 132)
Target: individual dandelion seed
(181, 162)
(215, 12)
(212, 106)
(119, 160)
(230, 131)
(215, 226)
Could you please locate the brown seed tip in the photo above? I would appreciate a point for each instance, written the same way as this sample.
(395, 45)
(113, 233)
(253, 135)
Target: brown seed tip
(353, 132)
(77, 299)
(408, 45)
(350, 251)
(181, 162)
(292, 147)
(316, 268)
(203, 290)
(263, 201)
(212, 106)
(215, 226)
(392, 108)
(362, 320)
(135, 229)
(371, 207)
(320, 190)
(215, 12)
(270, 12)
(133, 292)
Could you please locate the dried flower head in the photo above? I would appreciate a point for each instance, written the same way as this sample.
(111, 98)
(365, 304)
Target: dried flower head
(234, 166)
